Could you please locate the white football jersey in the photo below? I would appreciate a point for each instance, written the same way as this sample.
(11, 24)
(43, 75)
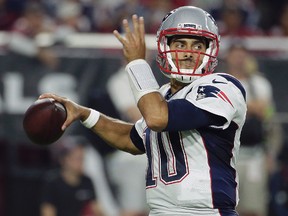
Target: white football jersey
(192, 172)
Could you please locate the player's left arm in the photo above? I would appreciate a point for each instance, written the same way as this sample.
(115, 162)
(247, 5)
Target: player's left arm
(150, 102)
(158, 114)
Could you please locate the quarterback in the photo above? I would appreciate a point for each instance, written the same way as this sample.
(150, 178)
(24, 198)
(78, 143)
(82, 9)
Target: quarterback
(190, 127)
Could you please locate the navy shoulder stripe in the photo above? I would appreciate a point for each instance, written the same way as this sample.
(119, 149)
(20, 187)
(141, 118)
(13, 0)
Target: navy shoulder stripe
(236, 83)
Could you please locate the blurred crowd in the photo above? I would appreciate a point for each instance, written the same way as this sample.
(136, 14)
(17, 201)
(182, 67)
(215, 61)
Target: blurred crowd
(236, 18)
(27, 20)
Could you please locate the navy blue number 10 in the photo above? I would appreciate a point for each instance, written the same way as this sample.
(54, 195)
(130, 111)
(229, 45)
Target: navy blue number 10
(171, 158)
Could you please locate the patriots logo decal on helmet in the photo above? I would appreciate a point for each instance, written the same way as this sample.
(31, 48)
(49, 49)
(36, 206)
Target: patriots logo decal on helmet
(212, 91)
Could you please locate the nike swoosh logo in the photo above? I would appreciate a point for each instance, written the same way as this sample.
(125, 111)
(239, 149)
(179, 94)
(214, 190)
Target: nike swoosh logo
(215, 81)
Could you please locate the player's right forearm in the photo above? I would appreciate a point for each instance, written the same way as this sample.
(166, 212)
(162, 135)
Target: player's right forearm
(116, 133)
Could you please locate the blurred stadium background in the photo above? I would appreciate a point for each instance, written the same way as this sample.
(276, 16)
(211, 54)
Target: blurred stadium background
(85, 61)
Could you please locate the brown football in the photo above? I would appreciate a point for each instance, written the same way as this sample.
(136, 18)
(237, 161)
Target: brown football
(43, 120)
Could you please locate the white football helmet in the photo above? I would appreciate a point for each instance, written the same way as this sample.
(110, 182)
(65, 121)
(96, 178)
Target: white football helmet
(191, 21)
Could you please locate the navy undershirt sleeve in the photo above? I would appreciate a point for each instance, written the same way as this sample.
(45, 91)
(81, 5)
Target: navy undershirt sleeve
(136, 139)
(183, 115)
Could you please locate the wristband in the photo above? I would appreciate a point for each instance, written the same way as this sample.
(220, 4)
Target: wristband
(92, 119)
(141, 78)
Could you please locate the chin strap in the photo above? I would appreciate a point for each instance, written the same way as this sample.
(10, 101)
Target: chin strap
(141, 78)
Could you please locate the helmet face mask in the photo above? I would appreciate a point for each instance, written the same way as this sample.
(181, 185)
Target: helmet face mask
(187, 22)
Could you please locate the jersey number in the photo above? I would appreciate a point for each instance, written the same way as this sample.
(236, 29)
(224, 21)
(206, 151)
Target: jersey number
(172, 158)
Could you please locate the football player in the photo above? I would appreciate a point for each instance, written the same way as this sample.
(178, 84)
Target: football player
(191, 126)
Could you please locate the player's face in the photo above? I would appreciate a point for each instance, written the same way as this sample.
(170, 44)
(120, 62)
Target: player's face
(237, 58)
(189, 52)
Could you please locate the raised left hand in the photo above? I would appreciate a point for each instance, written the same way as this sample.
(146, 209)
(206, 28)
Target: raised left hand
(134, 41)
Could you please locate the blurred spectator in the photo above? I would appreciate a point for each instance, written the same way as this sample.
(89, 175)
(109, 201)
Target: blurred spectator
(51, 6)
(105, 15)
(206, 4)
(9, 12)
(237, 18)
(233, 24)
(69, 19)
(95, 168)
(123, 100)
(279, 185)
(68, 191)
(281, 28)
(108, 13)
(24, 35)
(127, 172)
(88, 8)
(270, 11)
(156, 10)
(123, 10)
(252, 167)
(179, 3)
